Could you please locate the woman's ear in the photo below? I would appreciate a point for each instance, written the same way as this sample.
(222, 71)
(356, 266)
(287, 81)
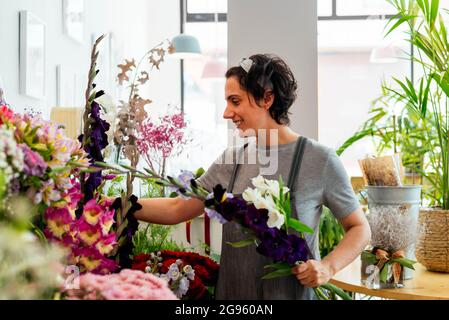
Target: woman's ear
(268, 99)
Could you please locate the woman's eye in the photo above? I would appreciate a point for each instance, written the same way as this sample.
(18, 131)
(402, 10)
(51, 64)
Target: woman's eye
(236, 102)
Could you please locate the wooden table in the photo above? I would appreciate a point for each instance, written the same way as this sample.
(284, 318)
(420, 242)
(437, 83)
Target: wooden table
(425, 285)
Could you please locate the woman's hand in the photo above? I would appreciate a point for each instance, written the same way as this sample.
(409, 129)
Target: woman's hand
(313, 273)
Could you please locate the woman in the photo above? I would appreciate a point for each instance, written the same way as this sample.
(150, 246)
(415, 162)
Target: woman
(259, 94)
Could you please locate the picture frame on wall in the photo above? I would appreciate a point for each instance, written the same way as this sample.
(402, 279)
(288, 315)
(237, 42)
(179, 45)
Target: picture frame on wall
(32, 52)
(73, 19)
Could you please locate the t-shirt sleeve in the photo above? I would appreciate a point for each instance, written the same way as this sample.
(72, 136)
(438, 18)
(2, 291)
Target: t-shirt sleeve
(218, 173)
(339, 196)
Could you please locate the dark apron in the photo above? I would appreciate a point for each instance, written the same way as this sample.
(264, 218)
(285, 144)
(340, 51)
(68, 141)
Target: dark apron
(241, 269)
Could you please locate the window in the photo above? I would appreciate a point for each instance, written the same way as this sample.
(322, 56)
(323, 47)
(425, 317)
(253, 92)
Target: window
(204, 101)
(353, 59)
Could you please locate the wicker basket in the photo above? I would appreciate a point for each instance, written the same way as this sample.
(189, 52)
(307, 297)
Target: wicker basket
(432, 247)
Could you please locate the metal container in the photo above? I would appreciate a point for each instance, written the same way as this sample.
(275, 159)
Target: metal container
(403, 199)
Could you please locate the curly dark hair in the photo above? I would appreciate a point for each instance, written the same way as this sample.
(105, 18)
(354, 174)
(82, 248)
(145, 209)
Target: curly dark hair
(269, 72)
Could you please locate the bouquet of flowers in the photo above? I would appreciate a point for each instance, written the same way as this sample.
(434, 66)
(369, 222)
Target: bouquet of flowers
(188, 274)
(126, 285)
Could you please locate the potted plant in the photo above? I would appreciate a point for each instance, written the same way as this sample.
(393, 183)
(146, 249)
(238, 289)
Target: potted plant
(423, 140)
(428, 34)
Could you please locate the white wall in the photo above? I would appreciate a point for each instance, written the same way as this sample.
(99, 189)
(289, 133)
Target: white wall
(137, 25)
(287, 28)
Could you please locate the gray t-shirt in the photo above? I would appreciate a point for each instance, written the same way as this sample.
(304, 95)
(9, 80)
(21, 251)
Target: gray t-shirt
(322, 180)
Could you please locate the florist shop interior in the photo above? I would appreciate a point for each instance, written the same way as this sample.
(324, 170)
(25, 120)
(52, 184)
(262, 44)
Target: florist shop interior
(224, 149)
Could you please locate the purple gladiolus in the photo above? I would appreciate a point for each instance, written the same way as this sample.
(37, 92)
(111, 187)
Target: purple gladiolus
(256, 219)
(274, 244)
(298, 249)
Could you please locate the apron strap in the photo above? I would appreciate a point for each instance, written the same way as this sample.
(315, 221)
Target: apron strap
(296, 163)
(236, 166)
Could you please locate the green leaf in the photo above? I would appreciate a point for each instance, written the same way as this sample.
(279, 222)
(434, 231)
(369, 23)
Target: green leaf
(277, 274)
(368, 257)
(433, 12)
(384, 273)
(199, 173)
(278, 266)
(336, 290)
(356, 137)
(405, 262)
(299, 226)
(243, 243)
(403, 19)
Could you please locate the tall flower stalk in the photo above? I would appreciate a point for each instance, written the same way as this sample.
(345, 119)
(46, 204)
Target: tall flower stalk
(94, 138)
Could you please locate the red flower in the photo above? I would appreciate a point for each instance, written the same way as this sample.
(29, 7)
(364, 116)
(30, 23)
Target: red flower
(6, 114)
(143, 257)
(197, 289)
(139, 266)
(202, 273)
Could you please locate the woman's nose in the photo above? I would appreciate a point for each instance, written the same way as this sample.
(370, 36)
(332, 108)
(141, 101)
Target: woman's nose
(228, 114)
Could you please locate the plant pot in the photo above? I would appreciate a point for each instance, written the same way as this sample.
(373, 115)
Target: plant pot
(432, 247)
(399, 200)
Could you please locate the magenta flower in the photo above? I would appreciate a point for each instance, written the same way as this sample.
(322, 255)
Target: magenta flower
(59, 221)
(106, 244)
(88, 233)
(89, 258)
(92, 212)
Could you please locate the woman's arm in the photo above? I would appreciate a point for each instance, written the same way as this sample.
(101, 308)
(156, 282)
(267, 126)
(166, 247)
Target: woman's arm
(358, 234)
(169, 210)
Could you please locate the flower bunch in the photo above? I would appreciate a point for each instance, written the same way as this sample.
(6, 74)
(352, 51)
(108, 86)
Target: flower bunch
(264, 213)
(89, 238)
(187, 273)
(161, 138)
(38, 158)
(126, 285)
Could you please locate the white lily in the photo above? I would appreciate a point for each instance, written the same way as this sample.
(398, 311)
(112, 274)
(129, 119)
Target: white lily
(250, 195)
(260, 183)
(273, 188)
(275, 219)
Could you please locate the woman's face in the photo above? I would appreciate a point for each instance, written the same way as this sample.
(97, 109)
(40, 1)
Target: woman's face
(243, 110)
